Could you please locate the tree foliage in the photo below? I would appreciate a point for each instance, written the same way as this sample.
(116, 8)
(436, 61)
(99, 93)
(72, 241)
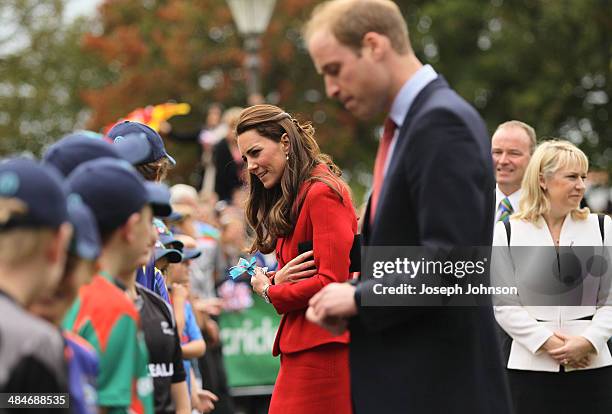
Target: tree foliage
(545, 62)
(190, 51)
(42, 70)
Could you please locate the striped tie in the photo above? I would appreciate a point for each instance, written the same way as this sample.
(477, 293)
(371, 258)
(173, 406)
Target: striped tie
(506, 210)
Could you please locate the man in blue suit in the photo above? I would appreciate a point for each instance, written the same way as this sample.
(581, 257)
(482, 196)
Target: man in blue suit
(433, 187)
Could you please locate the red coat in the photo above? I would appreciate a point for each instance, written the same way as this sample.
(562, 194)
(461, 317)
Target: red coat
(330, 223)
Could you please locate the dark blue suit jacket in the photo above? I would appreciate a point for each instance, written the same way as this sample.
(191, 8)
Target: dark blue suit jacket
(438, 191)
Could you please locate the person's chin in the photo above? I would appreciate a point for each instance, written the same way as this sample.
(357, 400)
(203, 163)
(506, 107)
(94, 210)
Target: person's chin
(361, 113)
(503, 177)
(575, 201)
(269, 184)
(142, 261)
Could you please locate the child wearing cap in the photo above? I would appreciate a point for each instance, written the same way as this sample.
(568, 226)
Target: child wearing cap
(192, 343)
(76, 148)
(105, 313)
(34, 236)
(153, 168)
(124, 205)
(164, 345)
(150, 275)
(208, 307)
(66, 155)
(52, 306)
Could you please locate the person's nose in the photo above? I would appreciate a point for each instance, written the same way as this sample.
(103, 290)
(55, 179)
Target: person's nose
(503, 159)
(331, 88)
(251, 166)
(580, 184)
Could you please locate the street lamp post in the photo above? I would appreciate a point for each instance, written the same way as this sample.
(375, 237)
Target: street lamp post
(252, 18)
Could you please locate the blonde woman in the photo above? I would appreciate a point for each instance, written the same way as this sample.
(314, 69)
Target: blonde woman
(559, 360)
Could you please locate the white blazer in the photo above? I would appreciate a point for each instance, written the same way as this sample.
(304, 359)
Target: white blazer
(531, 326)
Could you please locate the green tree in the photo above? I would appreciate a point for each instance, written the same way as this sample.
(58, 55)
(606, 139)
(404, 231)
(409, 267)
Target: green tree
(548, 63)
(42, 70)
(189, 51)
(160, 51)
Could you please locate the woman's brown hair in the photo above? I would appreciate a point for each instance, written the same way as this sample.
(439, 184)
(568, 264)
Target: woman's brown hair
(272, 213)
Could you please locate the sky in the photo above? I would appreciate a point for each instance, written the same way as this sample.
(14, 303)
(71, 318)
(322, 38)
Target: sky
(76, 8)
(14, 39)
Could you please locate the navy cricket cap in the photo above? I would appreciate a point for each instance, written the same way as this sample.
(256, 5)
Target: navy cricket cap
(173, 255)
(189, 254)
(114, 190)
(128, 131)
(85, 238)
(159, 198)
(76, 148)
(174, 216)
(165, 236)
(31, 195)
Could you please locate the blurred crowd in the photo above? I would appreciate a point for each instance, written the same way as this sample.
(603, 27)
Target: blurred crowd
(136, 298)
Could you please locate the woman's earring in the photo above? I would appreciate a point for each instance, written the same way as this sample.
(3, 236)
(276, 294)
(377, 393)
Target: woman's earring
(287, 156)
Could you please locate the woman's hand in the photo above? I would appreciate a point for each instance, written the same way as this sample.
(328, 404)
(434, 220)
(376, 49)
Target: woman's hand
(583, 363)
(553, 342)
(573, 351)
(296, 269)
(259, 281)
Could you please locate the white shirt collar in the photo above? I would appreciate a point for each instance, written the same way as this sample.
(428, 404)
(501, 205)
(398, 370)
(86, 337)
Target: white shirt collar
(407, 94)
(403, 101)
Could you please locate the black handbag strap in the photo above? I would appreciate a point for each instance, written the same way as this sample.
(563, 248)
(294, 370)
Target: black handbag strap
(508, 230)
(600, 218)
(505, 339)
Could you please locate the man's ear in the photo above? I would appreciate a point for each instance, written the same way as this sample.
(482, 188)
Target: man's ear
(127, 230)
(375, 45)
(58, 247)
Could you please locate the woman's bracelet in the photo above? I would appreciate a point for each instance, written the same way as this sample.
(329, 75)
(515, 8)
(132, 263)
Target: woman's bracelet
(264, 293)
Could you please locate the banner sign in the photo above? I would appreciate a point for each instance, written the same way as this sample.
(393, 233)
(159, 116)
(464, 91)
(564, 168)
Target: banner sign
(247, 338)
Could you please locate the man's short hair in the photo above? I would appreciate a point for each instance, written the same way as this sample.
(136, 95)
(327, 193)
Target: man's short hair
(350, 20)
(525, 127)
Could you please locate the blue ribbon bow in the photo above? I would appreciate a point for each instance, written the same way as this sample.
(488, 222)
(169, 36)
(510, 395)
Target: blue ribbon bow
(242, 267)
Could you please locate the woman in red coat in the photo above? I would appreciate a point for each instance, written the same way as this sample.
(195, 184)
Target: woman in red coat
(295, 196)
